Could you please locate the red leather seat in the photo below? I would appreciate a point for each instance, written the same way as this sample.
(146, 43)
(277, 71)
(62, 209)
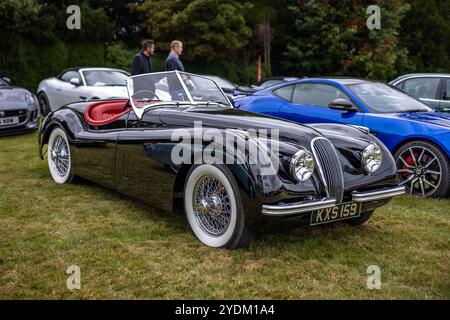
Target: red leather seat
(105, 112)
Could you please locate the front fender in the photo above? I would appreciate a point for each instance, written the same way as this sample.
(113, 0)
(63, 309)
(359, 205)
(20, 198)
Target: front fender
(67, 119)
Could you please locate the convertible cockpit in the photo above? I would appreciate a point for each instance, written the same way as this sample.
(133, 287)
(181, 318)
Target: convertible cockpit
(172, 87)
(105, 112)
(160, 88)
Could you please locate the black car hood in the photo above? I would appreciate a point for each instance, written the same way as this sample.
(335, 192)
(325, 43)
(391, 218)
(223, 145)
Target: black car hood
(239, 120)
(348, 141)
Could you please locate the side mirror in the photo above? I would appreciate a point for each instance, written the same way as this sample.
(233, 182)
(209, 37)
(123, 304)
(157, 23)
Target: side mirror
(75, 81)
(7, 80)
(343, 105)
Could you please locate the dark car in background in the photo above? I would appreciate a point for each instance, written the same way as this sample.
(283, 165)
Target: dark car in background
(19, 109)
(271, 81)
(431, 88)
(229, 88)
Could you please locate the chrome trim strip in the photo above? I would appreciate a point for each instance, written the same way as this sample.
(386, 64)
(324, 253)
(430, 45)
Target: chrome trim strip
(378, 194)
(319, 165)
(306, 206)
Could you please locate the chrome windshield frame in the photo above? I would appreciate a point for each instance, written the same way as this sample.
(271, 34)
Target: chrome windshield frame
(140, 111)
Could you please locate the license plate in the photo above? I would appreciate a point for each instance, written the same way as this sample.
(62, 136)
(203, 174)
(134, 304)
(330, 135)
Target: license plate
(8, 121)
(340, 212)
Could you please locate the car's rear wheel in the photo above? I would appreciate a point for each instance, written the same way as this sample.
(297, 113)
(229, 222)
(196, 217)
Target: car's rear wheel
(213, 207)
(59, 158)
(44, 104)
(423, 169)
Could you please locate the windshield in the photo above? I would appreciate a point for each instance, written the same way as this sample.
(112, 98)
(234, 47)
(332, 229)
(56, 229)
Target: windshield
(96, 78)
(380, 98)
(2, 83)
(158, 88)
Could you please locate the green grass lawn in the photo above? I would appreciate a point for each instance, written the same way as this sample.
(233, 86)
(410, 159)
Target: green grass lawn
(127, 250)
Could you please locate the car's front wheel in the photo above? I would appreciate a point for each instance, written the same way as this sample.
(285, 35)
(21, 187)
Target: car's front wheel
(213, 207)
(423, 169)
(59, 158)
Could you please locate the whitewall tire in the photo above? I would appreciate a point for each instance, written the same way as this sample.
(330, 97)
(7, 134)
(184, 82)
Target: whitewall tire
(213, 207)
(59, 157)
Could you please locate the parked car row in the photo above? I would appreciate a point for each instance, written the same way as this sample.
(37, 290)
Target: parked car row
(400, 115)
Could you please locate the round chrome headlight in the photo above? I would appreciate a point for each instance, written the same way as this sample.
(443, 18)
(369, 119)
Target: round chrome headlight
(302, 165)
(372, 158)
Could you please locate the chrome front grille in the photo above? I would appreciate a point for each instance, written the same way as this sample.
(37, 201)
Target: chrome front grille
(329, 166)
(14, 113)
(23, 115)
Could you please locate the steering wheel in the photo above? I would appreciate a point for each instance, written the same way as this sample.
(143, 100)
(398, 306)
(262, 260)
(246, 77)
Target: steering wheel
(145, 95)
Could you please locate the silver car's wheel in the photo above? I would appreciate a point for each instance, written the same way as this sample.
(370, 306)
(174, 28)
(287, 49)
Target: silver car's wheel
(58, 154)
(44, 104)
(213, 207)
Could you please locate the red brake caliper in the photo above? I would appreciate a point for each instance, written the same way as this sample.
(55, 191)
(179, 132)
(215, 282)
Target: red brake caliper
(410, 161)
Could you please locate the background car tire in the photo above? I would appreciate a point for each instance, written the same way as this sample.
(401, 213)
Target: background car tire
(218, 219)
(59, 157)
(361, 219)
(44, 104)
(442, 186)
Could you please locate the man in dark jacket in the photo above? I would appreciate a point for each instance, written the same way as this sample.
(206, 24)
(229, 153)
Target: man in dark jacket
(173, 61)
(141, 62)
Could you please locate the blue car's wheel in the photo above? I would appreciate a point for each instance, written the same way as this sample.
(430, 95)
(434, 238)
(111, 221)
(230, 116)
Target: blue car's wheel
(423, 169)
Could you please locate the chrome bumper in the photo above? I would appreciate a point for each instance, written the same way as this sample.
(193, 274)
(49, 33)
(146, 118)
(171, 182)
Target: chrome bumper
(308, 206)
(378, 194)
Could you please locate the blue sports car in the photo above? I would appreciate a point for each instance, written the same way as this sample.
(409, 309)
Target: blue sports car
(418, 138)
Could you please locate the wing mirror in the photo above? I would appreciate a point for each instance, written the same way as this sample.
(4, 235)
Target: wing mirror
(75, 81)
(7, 80)
(343, 105)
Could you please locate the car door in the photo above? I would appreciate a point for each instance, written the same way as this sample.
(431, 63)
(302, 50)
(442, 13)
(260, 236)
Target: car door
(310, 104)
(444, 104)
(95, 151)
(142, 160)
(426, 89)
(65, 92)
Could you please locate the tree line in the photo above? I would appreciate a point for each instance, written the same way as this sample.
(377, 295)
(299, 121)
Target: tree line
(292, 37)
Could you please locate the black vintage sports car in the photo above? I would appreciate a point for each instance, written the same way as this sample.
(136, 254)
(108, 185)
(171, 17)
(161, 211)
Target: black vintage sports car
(19, 109)
(177, 144)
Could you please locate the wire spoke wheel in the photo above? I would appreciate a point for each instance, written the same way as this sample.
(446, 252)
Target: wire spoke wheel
(58, 153)
(212, 205)
(419, 170)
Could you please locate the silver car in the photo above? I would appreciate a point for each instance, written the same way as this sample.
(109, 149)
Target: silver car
(431, 88)
(81, 84)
